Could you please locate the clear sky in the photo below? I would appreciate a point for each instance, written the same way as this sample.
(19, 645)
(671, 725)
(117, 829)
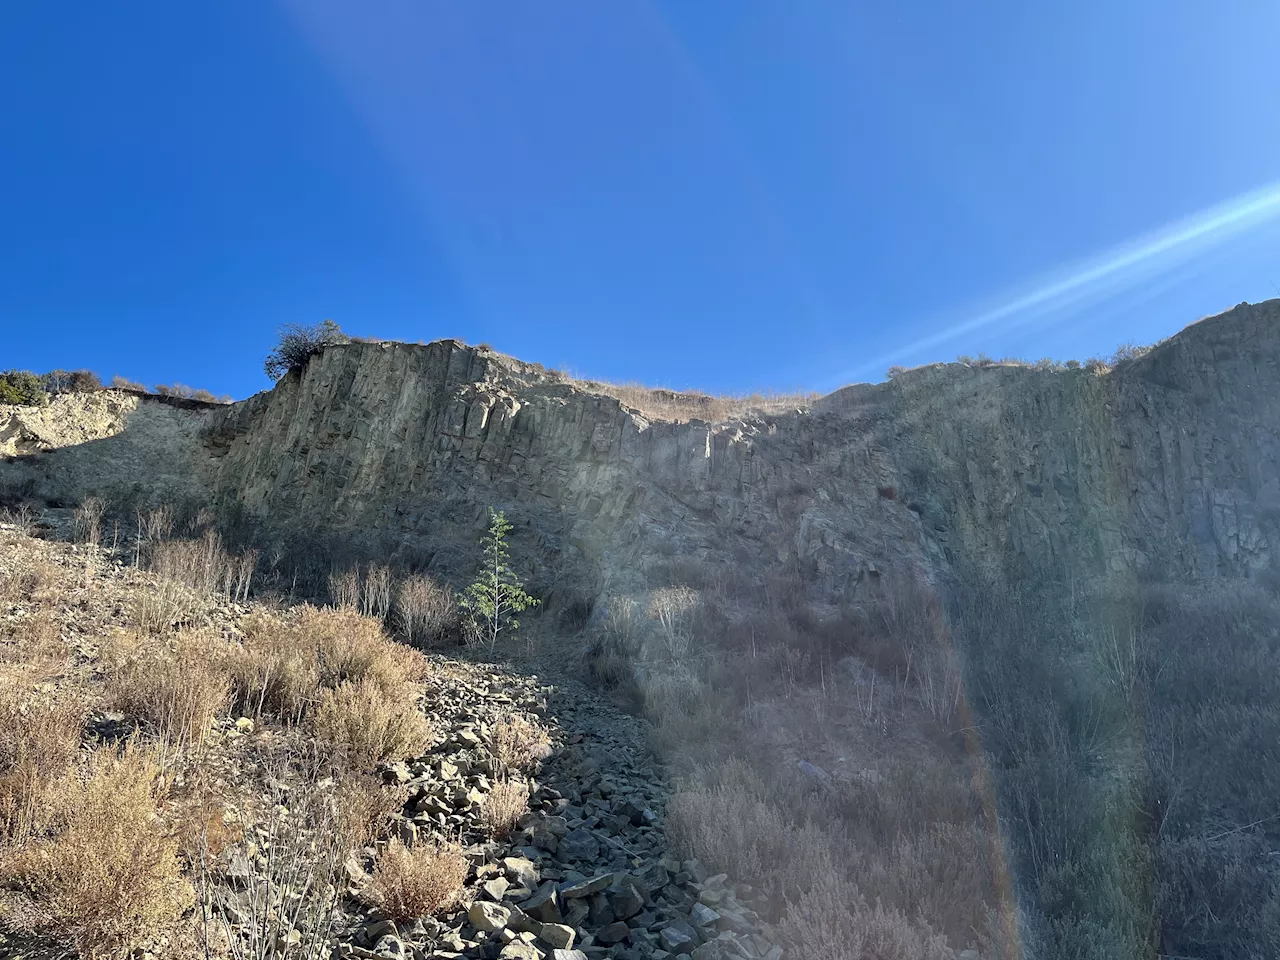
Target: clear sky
(726, 194)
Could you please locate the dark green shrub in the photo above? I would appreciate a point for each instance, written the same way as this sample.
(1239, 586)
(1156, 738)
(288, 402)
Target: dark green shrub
(22, 387)
(298, 344)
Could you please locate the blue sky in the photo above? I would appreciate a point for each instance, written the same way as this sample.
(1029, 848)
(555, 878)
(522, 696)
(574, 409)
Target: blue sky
(725, 194)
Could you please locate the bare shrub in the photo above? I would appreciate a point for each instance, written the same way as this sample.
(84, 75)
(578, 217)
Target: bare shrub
(109, 873)
(376, 595)
(832, 921)
(205, 565)
(286, 662)
(518, 743)
(610, 654)
(39, 739)
(179, 687)
(302, 839)
(503, 807)
(297, 344)
(88, 521)
(366, 808)
(365, 725)
(157, 608)
(425, 611)
(672, 608)
(409, 883)
(344, 588)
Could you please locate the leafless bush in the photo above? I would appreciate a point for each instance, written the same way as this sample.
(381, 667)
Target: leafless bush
(205, 565)
(287, 908)
(671, 609)
(518, 743)
(107, 872)
(88, 521)
(366, 808)
(611, 651)
(505, 804)
(23, 517)
(179, 687)
(344, 588)
(365, 724)
(376, 595)
(425, 611)
(39, 738)
(285, 663)
(409, 883)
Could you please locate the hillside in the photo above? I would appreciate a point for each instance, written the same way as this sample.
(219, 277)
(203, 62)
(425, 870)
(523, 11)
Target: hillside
(928, 666)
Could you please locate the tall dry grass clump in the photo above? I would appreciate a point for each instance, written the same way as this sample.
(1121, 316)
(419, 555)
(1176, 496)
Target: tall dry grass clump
(425, 611)
(286, 662)
(178, 687)
(505, 804)
(287, 907)
(365, 726)
(39, 740)
(108, 872)
(205, 565)
(413, 882)
(518, 743)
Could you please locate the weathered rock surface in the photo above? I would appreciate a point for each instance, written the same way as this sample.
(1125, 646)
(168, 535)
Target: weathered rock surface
(1166, 463)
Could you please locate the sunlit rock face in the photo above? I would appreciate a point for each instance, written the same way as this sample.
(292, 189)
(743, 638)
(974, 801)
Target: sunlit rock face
(1165, 466)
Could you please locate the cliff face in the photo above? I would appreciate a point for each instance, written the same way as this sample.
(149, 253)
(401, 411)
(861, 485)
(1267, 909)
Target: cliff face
(1165, 466)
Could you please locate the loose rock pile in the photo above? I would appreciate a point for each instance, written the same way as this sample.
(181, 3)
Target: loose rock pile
(586, 873)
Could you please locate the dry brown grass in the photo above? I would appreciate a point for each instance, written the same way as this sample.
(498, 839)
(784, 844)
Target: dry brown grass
(365, 724)
(366, 807)
(286, 662)
(39, 740)
(109, 873)
(518, 743)
(409, 883)
(178, 687)
(204, 565)
(425, 611)
(504, 806)
(657, 403)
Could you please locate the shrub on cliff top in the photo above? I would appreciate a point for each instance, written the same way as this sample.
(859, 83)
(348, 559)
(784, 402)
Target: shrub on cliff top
(298, 344)
(22, 387)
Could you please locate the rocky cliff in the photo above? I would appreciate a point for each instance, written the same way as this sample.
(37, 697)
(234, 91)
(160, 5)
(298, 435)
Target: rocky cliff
(1165, 466)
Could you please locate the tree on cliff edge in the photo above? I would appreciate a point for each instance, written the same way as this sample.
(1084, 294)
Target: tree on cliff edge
(299, 343)
(497, 595)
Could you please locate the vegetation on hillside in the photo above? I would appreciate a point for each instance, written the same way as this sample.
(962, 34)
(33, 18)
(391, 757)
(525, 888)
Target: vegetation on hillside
(21, 387)
(492, 601)
(298, 343)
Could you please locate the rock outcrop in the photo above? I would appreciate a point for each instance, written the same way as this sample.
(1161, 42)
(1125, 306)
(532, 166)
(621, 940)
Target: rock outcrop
(1165, 466)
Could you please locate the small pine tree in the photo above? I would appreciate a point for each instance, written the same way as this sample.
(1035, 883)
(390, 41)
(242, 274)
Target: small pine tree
(497, 595)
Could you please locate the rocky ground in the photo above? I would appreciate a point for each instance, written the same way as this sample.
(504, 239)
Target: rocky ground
(585, 872)
(588, 872)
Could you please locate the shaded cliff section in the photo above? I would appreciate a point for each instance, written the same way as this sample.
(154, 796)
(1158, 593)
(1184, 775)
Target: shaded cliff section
(1163, 468)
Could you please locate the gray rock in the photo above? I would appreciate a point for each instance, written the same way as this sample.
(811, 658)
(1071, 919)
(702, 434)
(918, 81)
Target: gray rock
(626, 901)
(391, 948)
(496, 888)
(614, 933)
(587, 887)
(557, 935)
(579, 844)
(703, 916)
(544, 905)
(675, 940)
(488, 917)
(568, 955)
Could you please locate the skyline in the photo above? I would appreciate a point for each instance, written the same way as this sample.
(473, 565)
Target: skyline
(729, 196)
